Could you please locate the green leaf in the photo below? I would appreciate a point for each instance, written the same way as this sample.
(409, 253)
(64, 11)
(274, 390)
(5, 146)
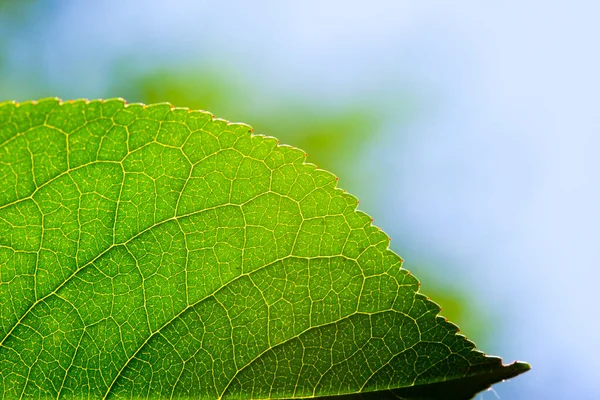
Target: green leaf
(155, 251)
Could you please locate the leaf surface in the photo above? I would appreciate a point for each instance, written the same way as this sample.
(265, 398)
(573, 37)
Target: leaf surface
(153, 251)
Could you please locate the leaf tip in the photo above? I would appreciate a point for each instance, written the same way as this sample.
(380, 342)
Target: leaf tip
(521, 366)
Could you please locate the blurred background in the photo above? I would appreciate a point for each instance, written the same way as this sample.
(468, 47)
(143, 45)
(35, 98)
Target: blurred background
(468, 130)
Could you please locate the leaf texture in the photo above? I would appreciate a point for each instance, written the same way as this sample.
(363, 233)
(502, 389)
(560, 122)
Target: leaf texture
(153, 251)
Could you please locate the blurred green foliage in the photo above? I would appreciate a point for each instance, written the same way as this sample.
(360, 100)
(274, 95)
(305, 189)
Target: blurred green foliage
(18, 9)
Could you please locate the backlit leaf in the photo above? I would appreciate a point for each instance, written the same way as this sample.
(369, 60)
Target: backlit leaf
(150, 251)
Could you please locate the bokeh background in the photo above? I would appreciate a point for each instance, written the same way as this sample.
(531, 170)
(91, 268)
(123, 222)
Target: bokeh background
(469, 130)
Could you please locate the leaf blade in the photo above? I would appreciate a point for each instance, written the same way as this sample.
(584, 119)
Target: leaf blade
(158, 251)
